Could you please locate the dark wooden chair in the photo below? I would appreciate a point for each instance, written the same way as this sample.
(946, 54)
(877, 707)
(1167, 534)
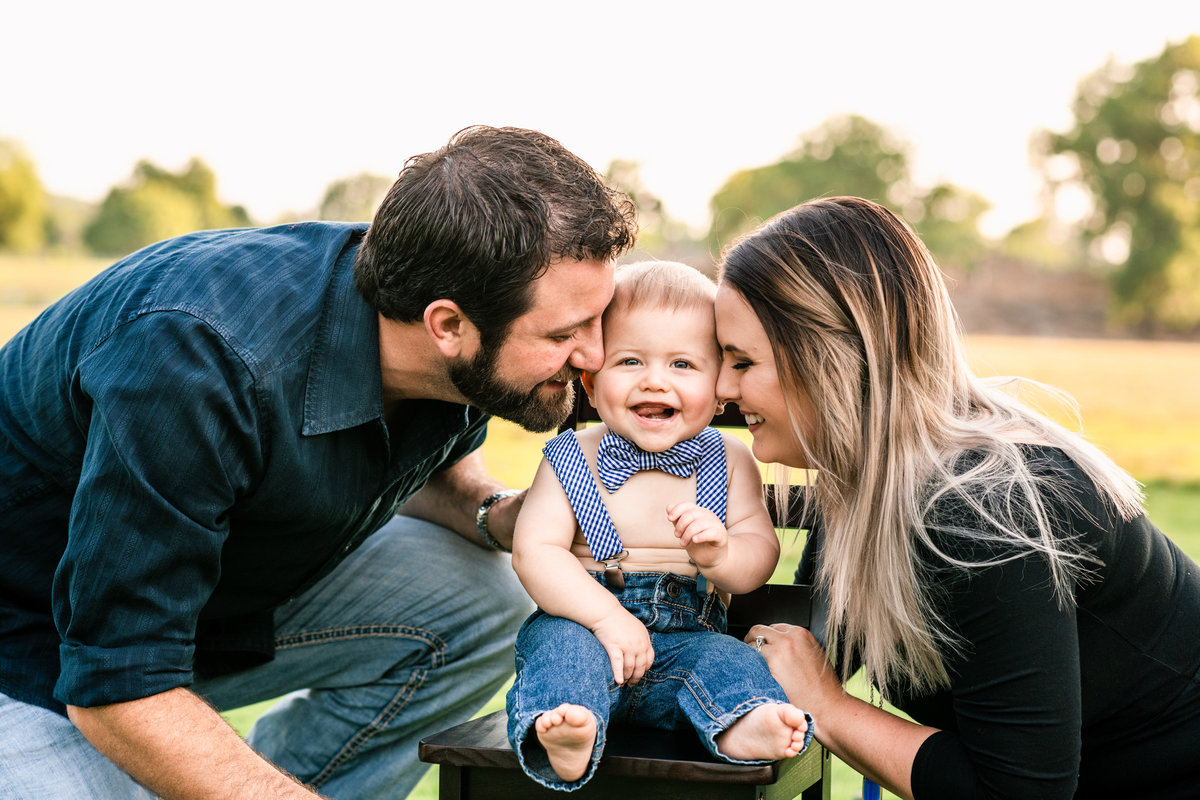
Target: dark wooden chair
(476, 761)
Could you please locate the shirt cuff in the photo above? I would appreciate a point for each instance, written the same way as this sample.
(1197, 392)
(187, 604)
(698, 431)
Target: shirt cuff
(96, 676)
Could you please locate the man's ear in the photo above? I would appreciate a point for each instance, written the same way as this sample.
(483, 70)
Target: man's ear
(449, 328)
(588, 379)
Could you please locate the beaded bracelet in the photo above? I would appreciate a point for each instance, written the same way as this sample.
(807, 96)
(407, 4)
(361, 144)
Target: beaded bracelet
(481, 519)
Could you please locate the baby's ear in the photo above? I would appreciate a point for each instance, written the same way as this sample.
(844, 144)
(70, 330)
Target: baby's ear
(589, 386)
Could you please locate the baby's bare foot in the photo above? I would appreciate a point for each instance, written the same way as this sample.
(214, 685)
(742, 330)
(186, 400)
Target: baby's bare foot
(772, 732)
(568, 733)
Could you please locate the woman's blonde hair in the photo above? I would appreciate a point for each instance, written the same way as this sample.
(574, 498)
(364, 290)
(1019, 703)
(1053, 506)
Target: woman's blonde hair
(858, 316)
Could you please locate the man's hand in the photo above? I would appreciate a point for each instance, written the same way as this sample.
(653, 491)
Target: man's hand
(628, 645)
(701, 533)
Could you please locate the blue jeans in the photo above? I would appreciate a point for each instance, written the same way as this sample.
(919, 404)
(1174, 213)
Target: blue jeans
(43, 755)
(411, 634)
(700, 677)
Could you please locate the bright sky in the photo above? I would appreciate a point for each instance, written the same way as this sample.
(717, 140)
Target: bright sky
(281, 98)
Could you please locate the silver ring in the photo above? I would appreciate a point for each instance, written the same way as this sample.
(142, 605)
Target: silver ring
(758, 642)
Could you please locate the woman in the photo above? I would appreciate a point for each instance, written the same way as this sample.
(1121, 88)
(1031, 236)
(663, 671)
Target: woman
(992, 572)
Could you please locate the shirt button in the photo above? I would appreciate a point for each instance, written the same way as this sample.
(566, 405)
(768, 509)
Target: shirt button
(673, 590)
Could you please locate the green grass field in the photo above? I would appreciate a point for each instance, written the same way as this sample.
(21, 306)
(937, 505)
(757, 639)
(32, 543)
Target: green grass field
(1139, 401)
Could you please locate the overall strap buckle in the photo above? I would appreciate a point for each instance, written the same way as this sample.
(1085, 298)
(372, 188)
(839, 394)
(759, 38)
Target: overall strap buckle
(613, 576)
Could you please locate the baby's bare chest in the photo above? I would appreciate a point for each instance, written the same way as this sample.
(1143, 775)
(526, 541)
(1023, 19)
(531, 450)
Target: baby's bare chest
(639, 508)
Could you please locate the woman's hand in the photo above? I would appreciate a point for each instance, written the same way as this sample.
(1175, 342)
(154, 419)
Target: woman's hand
(800, 665)
(874, 742)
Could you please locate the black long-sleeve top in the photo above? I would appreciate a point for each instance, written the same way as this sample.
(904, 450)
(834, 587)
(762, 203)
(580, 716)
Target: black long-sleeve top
(1097, 699)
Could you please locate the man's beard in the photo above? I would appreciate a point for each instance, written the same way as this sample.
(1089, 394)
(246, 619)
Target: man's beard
(477, 381)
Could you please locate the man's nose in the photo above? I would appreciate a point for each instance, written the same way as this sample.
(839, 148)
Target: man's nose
(588, 354)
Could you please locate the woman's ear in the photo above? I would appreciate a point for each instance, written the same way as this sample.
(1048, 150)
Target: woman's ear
(449, 328)
(588, 379)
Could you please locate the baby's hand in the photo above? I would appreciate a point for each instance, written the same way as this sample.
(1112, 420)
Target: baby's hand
(700, 532)
(627, 643)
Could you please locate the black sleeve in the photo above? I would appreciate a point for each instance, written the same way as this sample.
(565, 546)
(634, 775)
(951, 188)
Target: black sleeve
(1015, 690)
(806, 574)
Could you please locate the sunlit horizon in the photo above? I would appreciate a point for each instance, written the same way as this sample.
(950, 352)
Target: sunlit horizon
(282, 99)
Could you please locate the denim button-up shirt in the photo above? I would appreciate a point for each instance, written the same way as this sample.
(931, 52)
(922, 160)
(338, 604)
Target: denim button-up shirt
(186, 442)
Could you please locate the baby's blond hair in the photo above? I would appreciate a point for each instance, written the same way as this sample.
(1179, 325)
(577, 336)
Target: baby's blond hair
(669, 285)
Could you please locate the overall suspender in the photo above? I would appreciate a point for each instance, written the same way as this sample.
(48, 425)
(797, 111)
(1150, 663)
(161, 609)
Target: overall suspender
(601, 535)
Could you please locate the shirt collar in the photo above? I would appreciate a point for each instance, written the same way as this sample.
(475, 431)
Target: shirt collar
(344, 386)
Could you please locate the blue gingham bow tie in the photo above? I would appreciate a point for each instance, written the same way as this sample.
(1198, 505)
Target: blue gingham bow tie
(618, 459)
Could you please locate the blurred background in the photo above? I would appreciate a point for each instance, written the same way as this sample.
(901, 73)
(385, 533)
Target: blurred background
(1048, 153)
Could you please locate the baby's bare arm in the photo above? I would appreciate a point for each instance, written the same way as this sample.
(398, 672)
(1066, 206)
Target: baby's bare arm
(740, 555)
(543, 560)
(560, 585)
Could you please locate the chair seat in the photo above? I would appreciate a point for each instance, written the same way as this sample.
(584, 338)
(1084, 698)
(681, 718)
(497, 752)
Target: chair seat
(477, 762)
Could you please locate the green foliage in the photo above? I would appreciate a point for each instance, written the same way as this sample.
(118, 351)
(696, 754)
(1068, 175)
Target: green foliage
(851, 155)
(67, 219)
(1135, 145)
(658, 232)
(23, 218)
(132, 218)
(157, 204)
(354, 199)
(847, 155)
(947, 219)
(1039, 242)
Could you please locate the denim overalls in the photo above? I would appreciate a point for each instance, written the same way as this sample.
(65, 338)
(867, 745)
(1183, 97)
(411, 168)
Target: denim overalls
(700, 676)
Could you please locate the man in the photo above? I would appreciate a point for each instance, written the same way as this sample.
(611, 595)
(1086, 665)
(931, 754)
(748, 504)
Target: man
(202, 452)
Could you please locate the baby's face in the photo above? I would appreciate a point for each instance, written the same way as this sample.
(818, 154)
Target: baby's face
(658, 383)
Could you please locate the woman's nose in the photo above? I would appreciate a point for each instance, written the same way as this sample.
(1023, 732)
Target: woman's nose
(727, 384)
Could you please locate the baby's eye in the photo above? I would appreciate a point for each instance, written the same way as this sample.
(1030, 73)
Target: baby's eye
(629, 362)
(679, 363)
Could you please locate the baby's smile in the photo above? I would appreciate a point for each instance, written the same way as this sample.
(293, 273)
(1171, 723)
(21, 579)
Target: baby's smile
(654, 411)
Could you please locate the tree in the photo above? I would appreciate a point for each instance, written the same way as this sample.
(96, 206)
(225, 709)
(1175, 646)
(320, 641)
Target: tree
(354, 199)
(851, 155)
(23, 215)
(847, 155)
(1040, 241)
(658, 232)
(132, 218)
(1135, 149)
(157, 204)
(947, 219)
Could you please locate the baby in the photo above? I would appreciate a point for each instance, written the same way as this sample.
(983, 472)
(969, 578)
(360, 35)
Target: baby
(633, 536)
